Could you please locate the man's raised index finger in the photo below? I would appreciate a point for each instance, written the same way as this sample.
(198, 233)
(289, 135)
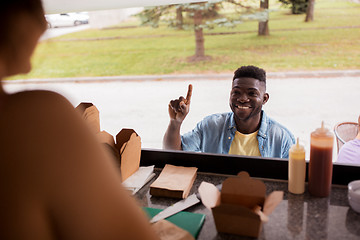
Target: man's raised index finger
(189, 93)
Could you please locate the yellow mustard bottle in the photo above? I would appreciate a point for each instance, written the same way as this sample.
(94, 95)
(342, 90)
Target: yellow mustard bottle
(297, 169)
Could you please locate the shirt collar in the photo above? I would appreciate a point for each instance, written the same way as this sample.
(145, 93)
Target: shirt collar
(263, 124)
(232, 124)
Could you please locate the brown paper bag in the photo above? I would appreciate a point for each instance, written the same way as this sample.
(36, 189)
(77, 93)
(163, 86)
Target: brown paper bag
(174, 181)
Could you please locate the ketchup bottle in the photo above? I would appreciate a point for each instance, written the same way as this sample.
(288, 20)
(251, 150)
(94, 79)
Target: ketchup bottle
(320, 165)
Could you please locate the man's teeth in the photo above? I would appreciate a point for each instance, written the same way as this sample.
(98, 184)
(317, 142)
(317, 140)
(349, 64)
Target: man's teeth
(242, 107)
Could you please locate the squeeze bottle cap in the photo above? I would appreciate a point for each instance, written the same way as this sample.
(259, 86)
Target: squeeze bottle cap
(297, 147)
(322, 132)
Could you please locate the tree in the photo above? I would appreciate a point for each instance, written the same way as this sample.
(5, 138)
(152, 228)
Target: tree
(310, 11)
(201, 16)
(263, 25)
(297, 6)
(179, 18)
(199, 38)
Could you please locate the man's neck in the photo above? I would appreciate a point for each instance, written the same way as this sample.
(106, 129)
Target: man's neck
(248, 126)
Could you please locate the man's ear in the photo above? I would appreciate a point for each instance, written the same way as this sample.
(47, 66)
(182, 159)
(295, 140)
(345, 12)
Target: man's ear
(265, 98)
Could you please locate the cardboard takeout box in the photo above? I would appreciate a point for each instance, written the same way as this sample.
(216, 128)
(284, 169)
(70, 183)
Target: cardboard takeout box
(242, 206)
(90, 114)
(127, 149)
(128, 143)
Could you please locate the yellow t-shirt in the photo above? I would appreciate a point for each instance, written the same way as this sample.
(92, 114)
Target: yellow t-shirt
(245, 144)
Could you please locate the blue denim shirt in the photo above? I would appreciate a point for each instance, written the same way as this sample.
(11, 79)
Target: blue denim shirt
(215, 133)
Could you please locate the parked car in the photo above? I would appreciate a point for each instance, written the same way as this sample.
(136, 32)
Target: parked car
(66, 19)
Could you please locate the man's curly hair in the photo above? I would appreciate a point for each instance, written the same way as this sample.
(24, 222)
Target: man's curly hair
(250, 72)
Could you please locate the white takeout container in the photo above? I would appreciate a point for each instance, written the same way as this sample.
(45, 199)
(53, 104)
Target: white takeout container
(354, 195)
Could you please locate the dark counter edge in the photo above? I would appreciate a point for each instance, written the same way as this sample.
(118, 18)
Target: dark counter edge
(272, 168)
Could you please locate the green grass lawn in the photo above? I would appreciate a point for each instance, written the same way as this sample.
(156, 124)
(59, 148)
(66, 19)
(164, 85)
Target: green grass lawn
(332, 41)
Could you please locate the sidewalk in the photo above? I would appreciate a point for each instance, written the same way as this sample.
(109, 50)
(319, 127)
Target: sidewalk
(298, 100)
(184, 77)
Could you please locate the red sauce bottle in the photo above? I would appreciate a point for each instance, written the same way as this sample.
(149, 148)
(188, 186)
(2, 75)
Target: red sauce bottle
(320, 165)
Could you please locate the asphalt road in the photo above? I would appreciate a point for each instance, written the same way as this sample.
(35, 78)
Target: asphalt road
(300, 104)
(55, 32)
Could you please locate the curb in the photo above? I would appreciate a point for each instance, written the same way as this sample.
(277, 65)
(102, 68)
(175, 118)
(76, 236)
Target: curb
(184, 77)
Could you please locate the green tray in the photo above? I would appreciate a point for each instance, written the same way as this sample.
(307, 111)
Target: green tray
(191, 222)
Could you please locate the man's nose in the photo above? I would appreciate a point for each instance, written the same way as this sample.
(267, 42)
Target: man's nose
(243, 98)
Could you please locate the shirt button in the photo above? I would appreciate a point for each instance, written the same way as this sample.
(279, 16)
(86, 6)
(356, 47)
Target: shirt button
(229, 137)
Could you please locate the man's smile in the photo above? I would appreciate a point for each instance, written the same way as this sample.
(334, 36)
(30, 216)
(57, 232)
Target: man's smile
(242, 107)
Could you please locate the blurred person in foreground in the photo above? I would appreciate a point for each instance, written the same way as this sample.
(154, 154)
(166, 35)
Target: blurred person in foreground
(247, 130)
(350, 151)
(56, 182)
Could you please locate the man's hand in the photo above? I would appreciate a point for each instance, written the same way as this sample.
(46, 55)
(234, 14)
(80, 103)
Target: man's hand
(179, 108)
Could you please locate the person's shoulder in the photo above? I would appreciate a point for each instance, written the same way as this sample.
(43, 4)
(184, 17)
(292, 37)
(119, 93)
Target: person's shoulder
(45, 97)
(35, 106)
(352, 145)
(277, 127)
(218, 116)
(41, 122)
(349, 152)
(356, 141)
(216, 119)
(37, 101)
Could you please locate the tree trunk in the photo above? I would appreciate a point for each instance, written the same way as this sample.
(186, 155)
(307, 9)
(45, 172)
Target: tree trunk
(199, 39)
(310, 11)
(264, 26)
(179, 18)
(199, 36)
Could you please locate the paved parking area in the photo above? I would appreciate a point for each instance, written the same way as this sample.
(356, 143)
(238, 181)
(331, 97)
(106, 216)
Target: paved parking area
(299, 103)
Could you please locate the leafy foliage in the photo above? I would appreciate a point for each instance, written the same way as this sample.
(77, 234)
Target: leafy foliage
(297, 6)
(212, 13)
(201, 16)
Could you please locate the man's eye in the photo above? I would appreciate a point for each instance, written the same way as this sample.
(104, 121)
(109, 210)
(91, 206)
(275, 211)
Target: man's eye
(253, 94)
